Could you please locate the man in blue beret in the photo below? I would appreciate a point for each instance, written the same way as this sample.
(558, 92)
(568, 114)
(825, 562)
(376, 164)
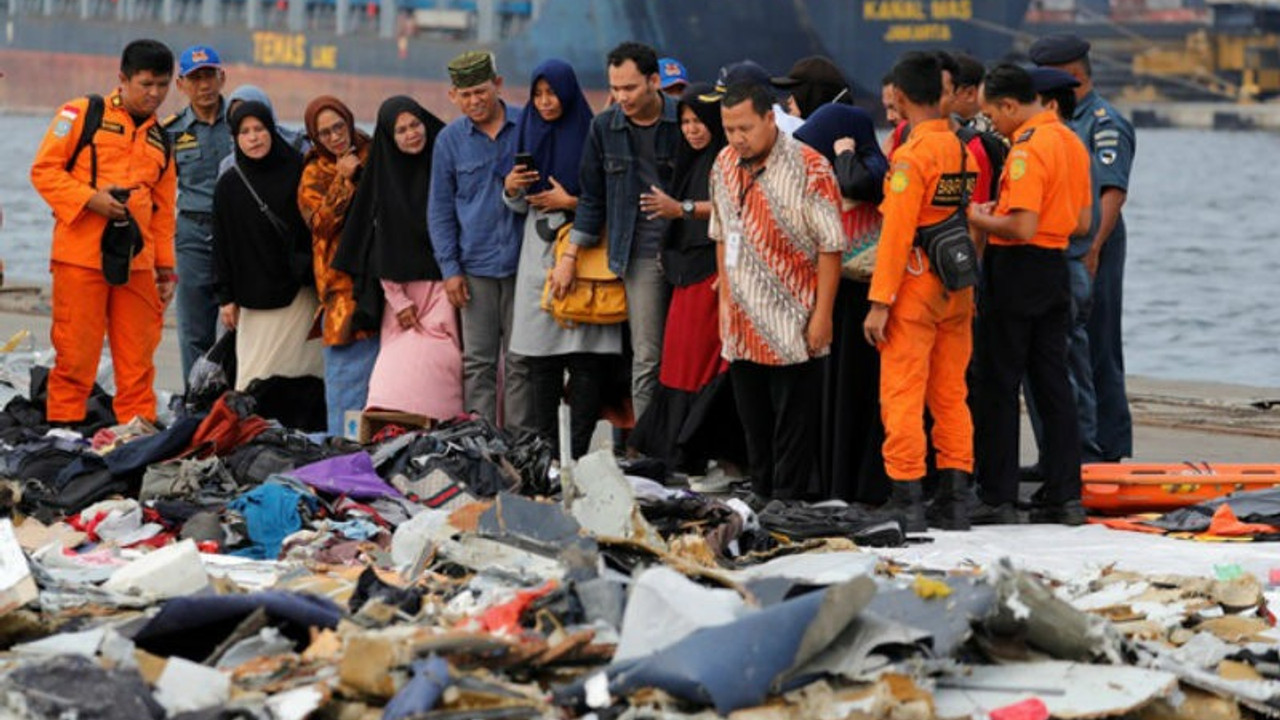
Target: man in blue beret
(1111, 144)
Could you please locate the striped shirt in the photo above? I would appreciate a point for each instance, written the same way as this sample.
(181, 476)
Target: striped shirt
(774, 222)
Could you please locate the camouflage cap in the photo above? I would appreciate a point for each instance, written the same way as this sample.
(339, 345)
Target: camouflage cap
(472, 68)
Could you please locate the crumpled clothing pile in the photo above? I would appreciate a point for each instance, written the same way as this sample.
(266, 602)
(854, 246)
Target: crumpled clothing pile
(225, 567)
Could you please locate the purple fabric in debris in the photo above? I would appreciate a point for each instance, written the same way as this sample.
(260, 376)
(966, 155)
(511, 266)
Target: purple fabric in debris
(349, 475)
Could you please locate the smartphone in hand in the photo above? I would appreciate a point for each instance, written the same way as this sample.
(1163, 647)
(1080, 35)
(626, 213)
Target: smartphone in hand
(525, 160)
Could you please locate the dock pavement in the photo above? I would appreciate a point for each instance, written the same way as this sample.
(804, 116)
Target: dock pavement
(1174, 420)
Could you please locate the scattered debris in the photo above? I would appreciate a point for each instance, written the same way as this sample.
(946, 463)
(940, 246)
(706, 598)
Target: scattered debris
(441, 573)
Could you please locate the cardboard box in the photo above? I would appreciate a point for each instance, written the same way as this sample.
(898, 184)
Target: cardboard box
(371, 421)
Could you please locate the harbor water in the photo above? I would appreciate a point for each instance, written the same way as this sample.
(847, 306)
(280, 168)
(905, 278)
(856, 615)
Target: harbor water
(1203, 253)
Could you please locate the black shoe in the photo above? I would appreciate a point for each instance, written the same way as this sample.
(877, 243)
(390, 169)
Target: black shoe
(906, 505)
(1002, 514)
(949, 509)
(1070, 513)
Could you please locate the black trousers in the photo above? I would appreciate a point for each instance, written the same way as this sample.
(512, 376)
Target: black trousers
(586, 388)
(1026, 316)
(780, 407)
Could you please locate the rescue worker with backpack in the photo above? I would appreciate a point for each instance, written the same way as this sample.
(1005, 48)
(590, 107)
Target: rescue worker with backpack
(104, 168)
(921, 297)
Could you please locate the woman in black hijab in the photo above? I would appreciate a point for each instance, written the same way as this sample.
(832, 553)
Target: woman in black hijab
(693, 418)
(852, 463)
(387, 251)
(262, 254)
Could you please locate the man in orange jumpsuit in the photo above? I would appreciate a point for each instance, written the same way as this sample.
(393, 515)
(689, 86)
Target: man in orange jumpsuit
(1045, 198)
(923, 331)
(128, 152)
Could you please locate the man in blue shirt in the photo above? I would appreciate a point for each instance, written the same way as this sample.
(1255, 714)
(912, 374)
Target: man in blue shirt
(200, 139)
(1109, 138)
(476, 238)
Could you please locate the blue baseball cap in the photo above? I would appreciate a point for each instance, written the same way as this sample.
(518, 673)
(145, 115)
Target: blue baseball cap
(196, 57)
(671, 72)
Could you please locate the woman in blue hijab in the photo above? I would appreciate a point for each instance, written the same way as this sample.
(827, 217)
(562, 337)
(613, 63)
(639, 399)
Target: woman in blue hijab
(847, 137)
(553, 130)
(852, 433)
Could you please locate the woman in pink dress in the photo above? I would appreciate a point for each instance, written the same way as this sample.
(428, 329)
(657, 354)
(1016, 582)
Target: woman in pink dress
(386, 249)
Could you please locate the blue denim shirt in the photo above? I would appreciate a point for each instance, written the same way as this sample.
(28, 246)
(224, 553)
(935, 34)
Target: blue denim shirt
(472, 230)
(610, 183)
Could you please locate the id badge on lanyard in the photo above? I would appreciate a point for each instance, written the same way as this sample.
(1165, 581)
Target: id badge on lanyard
(732, 246)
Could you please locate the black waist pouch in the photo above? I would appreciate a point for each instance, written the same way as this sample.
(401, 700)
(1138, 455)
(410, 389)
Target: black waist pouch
(951, 252)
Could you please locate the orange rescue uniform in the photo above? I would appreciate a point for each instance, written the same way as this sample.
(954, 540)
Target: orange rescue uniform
(1041, 143)
(85, 307)
(928, 338)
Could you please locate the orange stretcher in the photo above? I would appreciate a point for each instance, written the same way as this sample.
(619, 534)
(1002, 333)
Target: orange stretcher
(1127, 488)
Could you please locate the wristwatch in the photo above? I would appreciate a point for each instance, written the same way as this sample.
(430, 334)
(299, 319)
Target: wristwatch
(686, 209)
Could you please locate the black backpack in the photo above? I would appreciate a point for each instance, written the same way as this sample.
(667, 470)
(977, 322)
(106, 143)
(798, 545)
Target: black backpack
(275, 450)
(92, 121)
(997, 151)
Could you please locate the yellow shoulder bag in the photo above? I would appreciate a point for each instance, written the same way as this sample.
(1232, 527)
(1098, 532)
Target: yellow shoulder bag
(598, 296)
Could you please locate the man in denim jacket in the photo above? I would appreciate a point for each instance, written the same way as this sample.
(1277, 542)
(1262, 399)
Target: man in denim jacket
(630, 152)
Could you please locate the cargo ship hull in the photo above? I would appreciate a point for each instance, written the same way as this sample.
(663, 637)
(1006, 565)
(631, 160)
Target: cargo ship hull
(47, 57)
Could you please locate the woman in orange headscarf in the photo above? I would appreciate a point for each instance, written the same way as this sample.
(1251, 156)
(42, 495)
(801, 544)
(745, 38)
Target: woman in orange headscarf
(324, 196)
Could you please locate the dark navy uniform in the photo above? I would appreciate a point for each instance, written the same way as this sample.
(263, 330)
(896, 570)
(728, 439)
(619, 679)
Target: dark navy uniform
(199, 148)
(1110, 140)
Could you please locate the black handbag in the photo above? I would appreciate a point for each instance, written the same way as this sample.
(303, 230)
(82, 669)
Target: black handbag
(951, 252)
(299, 261)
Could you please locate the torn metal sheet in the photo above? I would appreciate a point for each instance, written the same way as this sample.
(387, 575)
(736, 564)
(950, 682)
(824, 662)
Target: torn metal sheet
(869, 644)
(505, 560)
(1049, 622)
(665, 607)
(418, 535)
(84, 643)
(1070, 690)
(545, 526)
(1261, 696)
(947, 620)
(739, 664)
(603, 600)
(604, 503)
